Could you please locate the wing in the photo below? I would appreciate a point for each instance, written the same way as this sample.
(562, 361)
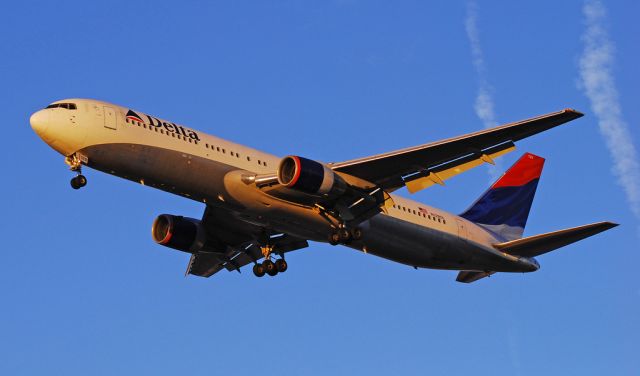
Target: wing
(240, 238)
(468, 276)
(424, 165)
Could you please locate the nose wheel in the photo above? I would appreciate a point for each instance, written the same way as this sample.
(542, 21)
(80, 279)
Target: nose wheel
(78, 181)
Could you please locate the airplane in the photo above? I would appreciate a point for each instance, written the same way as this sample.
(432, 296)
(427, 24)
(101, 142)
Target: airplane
(259, 206)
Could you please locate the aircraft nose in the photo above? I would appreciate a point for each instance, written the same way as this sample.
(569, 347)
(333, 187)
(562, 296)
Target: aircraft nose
(39, 122)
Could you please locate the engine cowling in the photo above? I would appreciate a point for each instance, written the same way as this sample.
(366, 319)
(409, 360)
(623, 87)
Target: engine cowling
(181, 233)
(309, 176)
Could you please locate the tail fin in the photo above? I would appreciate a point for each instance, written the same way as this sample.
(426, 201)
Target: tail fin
(504, 208)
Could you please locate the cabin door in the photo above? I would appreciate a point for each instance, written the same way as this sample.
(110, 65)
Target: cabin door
(110, 119)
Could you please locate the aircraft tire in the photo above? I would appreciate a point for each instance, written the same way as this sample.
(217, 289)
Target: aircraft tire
(356, 233)
(334, 238)
(281, 266)
(75, 184)
(258, 270)
(345, 235)
(270, 267)
(82, 180)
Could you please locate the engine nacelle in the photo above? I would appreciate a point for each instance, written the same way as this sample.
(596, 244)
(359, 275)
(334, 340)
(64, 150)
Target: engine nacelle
(309, 176)
(181, 233)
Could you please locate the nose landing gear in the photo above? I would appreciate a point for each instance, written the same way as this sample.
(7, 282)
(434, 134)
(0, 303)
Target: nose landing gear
(75, 165)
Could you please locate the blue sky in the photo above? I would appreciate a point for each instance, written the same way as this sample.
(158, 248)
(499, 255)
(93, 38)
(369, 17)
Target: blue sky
(85, 290)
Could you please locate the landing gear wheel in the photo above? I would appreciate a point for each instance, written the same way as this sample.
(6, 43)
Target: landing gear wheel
(78, 182)
(281, 266)
(270, 267)
(356, 233)
(345, 235)
(75, 184)
(82, 181)
(334, 238)
(258, 270)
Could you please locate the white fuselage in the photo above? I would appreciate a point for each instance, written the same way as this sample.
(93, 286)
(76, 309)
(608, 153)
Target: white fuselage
(206, 168)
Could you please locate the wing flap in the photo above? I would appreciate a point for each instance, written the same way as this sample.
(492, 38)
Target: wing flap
(439, 174)
(387, 170)
(540, 244)
(204, 264)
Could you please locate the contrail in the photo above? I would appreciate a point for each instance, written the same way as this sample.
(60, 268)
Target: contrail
(598, 84)
(483, 105)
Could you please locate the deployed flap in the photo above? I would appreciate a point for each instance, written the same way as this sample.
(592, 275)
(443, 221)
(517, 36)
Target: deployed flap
(438, 174)
(389, 170)
(468, 276)
(540, 244)
(204, 264)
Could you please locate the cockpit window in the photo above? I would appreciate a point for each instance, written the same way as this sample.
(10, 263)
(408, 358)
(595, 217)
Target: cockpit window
(68, 106)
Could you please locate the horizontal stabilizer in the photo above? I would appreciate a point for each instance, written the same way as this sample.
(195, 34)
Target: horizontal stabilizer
(540, 244)
(467, 276)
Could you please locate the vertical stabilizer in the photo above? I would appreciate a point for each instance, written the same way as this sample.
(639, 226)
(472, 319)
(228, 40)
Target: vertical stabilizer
(504, 208)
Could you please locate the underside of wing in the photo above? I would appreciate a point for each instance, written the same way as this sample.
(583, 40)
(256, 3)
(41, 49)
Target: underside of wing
(422, 166)
(241, 240)
(468, 276)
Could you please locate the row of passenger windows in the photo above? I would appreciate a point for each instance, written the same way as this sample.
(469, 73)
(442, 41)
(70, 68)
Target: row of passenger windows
(68, 106)
(190, 140)
(419, 213)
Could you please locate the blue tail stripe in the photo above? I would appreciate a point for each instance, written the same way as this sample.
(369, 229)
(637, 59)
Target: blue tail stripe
(503, 206)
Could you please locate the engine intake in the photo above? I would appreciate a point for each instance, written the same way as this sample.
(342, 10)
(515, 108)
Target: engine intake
(181, 233)
(309, 176)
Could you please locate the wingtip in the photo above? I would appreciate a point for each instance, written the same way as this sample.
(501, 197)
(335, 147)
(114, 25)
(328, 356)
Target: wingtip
(574, 112)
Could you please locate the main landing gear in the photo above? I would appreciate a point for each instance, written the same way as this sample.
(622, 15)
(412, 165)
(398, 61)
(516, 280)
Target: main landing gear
(268, 266)
(344, 235)
(75, 165)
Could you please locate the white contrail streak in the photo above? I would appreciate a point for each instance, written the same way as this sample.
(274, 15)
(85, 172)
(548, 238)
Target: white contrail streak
(483, 105)
(598, 84)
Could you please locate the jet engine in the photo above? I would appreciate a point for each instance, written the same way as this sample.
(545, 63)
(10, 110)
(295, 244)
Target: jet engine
(181, 233)
(309, 176)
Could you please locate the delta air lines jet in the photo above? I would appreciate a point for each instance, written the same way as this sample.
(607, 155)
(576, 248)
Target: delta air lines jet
(259, 206)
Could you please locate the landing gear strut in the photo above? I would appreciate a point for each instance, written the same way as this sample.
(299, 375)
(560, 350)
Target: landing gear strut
(75, 165)
(268, 266)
